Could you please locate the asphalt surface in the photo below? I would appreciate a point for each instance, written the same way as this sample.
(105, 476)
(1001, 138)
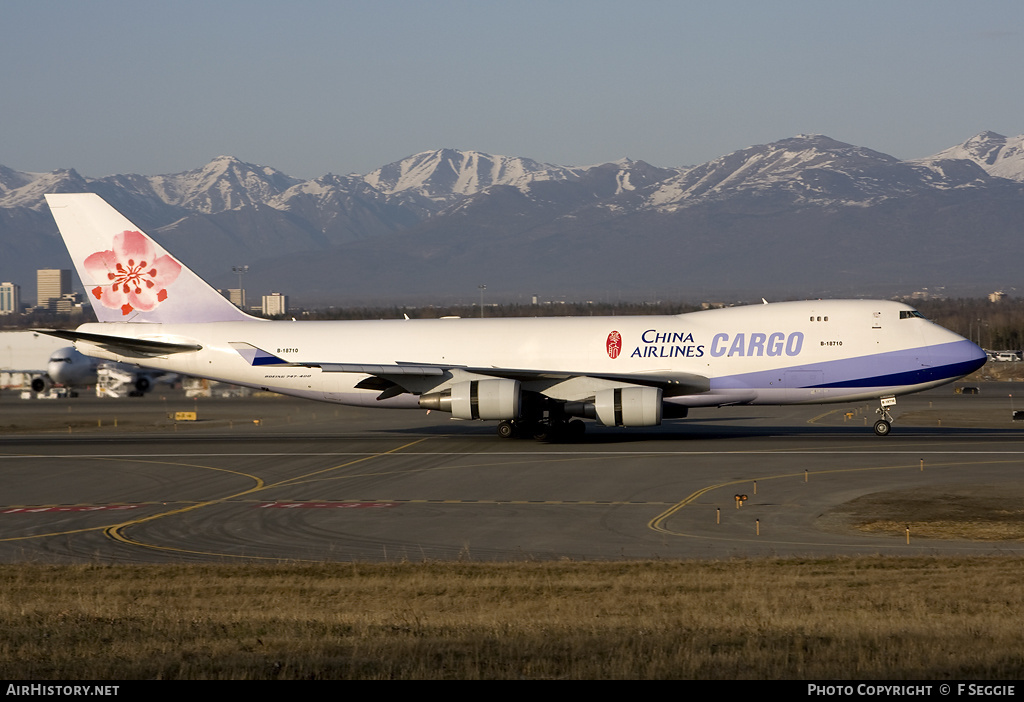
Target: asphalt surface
(90, 480)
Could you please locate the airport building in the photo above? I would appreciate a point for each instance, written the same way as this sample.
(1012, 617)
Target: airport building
(10, 298)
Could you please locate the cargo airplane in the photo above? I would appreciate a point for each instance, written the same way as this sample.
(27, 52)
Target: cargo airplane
(534, 376)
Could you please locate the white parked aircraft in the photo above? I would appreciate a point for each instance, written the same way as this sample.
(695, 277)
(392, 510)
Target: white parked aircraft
(535, 376)
(70, 369)
(67, 368)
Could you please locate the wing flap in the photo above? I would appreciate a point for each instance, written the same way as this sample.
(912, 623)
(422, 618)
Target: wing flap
(380, 370)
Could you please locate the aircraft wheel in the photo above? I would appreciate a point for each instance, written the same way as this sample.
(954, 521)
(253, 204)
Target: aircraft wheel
(882, 427)
(507, 429)
(549, 431)
(577, 428)
(543, 433)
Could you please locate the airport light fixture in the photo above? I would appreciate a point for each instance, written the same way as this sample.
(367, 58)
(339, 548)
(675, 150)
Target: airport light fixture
(240, 270)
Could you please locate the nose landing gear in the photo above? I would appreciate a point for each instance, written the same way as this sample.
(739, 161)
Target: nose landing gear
(884, 425)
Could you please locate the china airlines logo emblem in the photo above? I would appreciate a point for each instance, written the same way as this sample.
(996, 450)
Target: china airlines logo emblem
(614, 344)
(137, 274)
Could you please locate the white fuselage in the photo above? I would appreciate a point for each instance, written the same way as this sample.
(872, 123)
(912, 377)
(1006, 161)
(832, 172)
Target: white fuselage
(780, 353)
(69, 368)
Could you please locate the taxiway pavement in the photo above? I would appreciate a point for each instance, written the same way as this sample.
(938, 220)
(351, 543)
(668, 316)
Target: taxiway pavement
(272, 478)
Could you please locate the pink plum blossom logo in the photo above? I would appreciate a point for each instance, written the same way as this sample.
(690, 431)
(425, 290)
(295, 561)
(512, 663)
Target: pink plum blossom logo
(137, 274)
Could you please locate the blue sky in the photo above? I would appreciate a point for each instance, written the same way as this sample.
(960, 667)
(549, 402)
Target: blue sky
(318, 86)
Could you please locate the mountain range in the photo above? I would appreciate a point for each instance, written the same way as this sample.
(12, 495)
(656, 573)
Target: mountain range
(805, 216)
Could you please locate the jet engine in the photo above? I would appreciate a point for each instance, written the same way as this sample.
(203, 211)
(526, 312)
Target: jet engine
(628, 407)
(41, 383)
(496, 398)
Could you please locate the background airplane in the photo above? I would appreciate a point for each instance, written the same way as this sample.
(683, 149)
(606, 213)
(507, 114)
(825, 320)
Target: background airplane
(67, 368)
(534, 376)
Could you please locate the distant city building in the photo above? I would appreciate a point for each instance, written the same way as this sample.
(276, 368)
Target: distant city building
(274, 304)
(237, 297)
(10, 298)
(68, 302)
(51, 285)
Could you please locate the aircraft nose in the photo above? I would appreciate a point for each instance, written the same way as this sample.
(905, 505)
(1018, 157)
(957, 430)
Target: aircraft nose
(978, 357)
(961, 357)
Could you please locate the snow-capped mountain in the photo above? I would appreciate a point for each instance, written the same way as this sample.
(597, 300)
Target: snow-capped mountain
(11, 179)
(997, 155)
(225, 183)
(447, 174)
(437, 220)
(810, 169)
(21, 189)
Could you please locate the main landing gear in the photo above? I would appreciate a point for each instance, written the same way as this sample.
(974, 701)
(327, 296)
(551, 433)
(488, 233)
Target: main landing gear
(884, 425)
(542, 430)
(542, 419)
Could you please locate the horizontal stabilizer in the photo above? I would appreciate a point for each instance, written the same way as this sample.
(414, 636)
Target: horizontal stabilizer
(123, 345)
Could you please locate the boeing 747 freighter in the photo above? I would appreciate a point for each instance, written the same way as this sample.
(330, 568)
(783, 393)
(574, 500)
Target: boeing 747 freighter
(534, 376)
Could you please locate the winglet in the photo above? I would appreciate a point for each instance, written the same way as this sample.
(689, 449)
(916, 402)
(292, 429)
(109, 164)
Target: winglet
(128, 276)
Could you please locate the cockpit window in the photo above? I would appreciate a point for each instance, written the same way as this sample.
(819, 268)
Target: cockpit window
(907, 314)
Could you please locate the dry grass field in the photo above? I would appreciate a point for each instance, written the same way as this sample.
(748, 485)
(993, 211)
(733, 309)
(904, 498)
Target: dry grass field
(872, 618)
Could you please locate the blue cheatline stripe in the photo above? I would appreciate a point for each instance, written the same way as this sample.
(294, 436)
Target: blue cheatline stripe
(267, 360)
(914, 377)
(946, 361)
(255, 356)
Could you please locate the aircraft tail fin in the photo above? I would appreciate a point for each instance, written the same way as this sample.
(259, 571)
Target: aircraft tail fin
(127, 275)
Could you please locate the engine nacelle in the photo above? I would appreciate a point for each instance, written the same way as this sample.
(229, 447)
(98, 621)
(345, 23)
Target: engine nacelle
(496, 398)
(628, 407)
(41, 383)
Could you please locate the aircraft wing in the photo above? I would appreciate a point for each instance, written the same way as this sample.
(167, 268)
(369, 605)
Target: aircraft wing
(672, 383)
